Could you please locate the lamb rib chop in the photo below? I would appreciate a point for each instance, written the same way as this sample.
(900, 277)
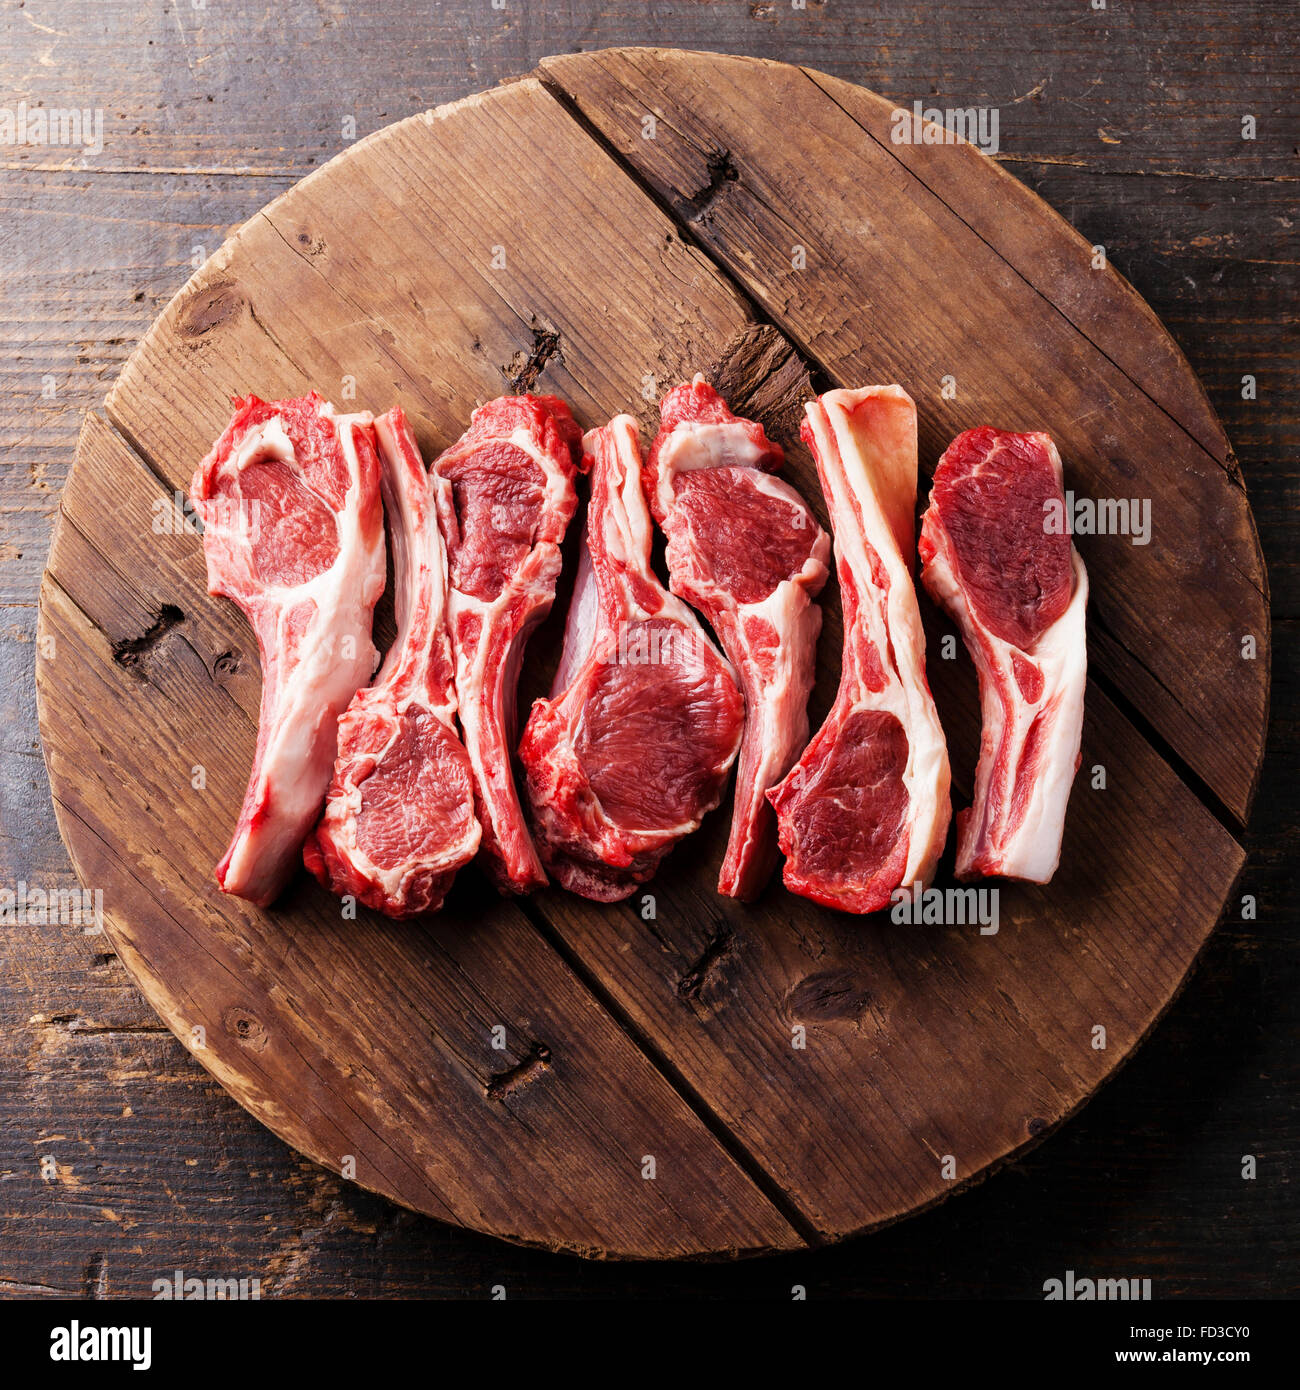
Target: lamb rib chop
(633, 747)
(1019, 593)
(399, 819)
(745, 549)
(505, 496)
(865, 810)
(293, 533)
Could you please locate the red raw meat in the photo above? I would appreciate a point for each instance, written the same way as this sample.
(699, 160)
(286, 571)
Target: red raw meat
(633, 747)
(865, 811)
(505, 496)
(399, 819)
(744, 548)
(293, 533)
(1018, 590)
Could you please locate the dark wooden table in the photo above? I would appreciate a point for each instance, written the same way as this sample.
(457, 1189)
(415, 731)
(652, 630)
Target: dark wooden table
(121, 1160)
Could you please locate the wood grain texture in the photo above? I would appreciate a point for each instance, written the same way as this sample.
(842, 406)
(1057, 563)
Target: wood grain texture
(1152, 89)
(824, 1050)
(1128, 126)
(365, 271)
(967, 282)
(348, 1038)
(895, 1018)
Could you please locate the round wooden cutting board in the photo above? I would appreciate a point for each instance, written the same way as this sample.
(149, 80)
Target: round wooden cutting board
(677, 1075)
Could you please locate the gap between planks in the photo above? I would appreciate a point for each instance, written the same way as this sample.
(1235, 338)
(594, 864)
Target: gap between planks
(765, 1183)
(535, 912)
(1218, 808)
(1228, 464)
(702, 199)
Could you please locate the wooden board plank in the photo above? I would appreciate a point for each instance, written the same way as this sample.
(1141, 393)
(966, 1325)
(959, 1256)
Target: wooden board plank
(345, 1037)
(1047, 252)
(920, 1044)
(416, 300)
(384, 269)
(158, 1168)
(1151, 86)
(925, 265)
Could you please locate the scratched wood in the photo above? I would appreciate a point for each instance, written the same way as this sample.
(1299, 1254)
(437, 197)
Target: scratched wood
(350, 1039)
(689, 1017)
(967, 280)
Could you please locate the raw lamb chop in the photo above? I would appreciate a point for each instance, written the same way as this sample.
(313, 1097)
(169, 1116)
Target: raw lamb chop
(294, 534)
(633, 748)
(505, 496)
(399, 819)
(744, 548)
(865, 810)
(1019, 592)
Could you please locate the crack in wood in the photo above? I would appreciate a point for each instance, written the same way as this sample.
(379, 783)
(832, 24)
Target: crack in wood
(77, 1025)
(17, 1288)
(133, 446)
(276, 343)
(505, 1084)
(129, 650)
(94, 1281)
(721, 171)
(1093, 166)
(525, 367)
(703, 971)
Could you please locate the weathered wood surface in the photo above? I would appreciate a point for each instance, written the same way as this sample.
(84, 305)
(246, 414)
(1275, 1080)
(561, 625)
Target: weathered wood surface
(966, 285)
(430, 262)
(299, 1010)
(1198, 220)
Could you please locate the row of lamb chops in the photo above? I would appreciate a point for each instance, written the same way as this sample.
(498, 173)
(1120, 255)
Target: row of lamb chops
(646, 716)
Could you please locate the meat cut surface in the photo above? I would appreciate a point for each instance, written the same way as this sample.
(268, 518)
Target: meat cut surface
(745, 549)
(399, 818)
(293, 533)
(865, 810)
(505, 496)
(995, 556)
(633, 747)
